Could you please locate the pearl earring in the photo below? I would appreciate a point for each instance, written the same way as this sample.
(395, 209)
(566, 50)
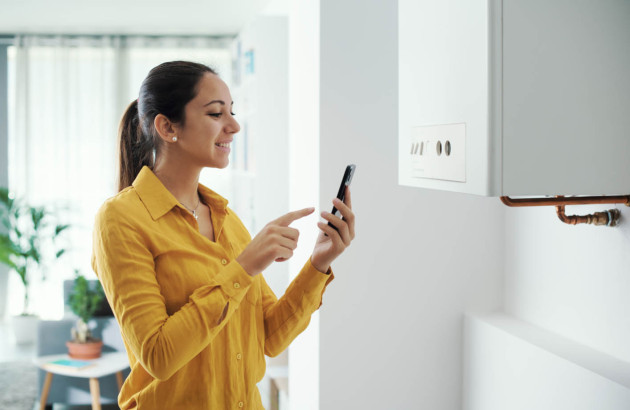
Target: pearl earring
(174, 139)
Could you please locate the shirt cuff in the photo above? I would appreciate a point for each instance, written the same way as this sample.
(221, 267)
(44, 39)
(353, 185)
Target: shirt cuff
(312, 283)
(234, 281)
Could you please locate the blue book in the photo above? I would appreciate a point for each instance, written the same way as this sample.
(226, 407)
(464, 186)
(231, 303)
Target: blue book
(69, 364)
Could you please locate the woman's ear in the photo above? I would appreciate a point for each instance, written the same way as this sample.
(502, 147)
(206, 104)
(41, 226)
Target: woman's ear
(165, 128)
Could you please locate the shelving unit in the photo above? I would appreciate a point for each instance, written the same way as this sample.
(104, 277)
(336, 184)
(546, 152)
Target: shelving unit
(502, 354)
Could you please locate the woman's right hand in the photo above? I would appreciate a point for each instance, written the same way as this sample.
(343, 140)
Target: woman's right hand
(275, 242)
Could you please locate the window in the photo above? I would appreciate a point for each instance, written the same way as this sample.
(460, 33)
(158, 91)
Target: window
(66, 97)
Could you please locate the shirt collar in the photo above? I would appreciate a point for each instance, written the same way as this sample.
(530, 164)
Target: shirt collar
(158, 200)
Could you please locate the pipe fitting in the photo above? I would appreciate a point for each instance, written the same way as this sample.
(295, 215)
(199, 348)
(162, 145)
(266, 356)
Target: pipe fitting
(608, 218)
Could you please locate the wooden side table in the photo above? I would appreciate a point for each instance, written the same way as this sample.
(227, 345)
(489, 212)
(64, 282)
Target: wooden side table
(108, 363)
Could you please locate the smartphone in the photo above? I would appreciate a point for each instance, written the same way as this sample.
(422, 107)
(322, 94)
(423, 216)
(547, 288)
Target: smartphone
(341, 195)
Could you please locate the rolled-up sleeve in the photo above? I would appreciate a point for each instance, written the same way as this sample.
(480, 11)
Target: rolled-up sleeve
(287, 317)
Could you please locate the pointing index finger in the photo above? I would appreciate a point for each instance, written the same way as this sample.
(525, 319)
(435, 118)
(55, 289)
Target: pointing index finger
(286, 219)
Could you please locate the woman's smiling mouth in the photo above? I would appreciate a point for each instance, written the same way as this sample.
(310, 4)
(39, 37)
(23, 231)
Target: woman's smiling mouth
(223, 146)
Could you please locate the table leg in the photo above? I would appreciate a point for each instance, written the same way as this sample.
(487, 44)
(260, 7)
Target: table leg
(274, 395)
(119, 379)
(45, 390)
(96, 394)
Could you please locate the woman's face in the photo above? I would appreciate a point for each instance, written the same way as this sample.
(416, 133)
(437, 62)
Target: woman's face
(210, 125)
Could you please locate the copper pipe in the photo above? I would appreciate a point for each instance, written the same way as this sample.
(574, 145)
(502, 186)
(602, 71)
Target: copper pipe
(560, 200)
(609, 218)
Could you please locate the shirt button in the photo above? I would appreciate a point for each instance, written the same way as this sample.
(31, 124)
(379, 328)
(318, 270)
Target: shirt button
(237, 285)
(240, 404)
(224, 261)
(238, 356)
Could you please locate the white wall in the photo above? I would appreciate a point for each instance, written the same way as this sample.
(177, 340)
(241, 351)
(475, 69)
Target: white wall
(263, 103)
(567, 286)
(4, 160)
(304, 184)
(563, 343)
(391, 322)
(390, 331)
(572, 280)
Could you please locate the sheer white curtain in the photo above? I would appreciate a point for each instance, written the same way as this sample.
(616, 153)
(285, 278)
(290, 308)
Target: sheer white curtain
(67, 95)
(62, 143)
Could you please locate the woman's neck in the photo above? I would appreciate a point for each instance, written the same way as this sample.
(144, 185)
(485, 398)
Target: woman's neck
(181, 181)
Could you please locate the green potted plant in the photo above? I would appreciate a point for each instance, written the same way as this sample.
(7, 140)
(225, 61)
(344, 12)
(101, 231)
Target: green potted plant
(84, 301)
(28, 241)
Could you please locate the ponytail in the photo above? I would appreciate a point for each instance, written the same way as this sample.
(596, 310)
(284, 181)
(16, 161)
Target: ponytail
(136, 148)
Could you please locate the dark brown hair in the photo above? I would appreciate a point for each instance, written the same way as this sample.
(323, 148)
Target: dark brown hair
(166, 90)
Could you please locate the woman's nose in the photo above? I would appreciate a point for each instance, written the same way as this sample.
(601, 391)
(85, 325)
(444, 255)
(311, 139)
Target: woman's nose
(233, 125)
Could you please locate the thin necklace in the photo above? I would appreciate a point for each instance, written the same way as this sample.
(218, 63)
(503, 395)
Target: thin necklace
(194, 211)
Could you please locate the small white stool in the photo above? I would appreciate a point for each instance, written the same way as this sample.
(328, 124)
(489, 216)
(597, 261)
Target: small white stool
(108, 363)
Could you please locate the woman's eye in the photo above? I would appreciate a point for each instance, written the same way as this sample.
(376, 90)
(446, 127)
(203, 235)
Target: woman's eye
(219, 114)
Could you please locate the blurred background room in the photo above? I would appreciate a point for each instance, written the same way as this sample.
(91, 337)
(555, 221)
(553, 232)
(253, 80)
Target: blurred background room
(447, 298)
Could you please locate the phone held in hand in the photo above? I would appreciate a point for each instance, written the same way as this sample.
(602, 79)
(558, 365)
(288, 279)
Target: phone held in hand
(341, 195)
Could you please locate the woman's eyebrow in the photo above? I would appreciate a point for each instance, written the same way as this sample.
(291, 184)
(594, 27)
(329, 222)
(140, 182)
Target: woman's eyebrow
(217, 101)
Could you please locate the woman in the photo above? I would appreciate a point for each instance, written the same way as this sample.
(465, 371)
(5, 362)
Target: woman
(180, 270)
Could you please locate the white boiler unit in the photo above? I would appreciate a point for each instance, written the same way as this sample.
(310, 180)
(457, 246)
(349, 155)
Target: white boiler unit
(515, 97)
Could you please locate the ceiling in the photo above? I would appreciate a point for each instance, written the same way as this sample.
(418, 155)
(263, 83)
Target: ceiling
(201, 17)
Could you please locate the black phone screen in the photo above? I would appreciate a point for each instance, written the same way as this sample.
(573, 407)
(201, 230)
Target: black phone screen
(345, 181)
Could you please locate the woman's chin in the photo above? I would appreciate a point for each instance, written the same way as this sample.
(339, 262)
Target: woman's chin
(218, 164)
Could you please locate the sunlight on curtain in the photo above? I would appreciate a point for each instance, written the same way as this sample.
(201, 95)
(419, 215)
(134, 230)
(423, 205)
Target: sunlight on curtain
(67, 95)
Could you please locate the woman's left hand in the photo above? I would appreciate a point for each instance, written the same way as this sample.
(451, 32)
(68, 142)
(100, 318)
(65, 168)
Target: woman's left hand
(327, 248)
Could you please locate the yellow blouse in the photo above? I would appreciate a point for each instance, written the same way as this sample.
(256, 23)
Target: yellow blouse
(168, 286)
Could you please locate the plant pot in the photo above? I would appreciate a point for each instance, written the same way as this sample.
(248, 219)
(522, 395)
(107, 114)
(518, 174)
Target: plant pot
(25, 328)
(85, 351)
